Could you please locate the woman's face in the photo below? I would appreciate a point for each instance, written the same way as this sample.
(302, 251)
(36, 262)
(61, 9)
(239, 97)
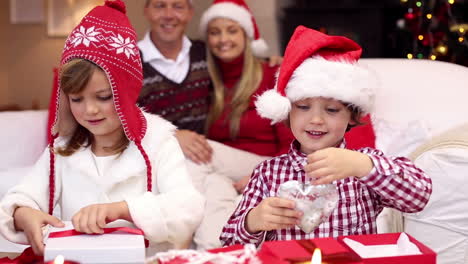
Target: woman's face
(226, 39)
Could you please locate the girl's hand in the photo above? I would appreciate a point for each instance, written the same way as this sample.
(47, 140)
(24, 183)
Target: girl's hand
(330, 164)
(194, 146)
(241, 184)
(31, 222)
(93, 218)
(272, 213)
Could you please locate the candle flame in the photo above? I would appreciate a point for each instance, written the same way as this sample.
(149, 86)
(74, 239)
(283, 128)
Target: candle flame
(59, 259)
(316, 257)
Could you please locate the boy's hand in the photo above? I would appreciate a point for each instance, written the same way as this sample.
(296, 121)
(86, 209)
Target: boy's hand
(31, 222)
(330, 164)
(93, 218)
(272, 213)
(194, 146)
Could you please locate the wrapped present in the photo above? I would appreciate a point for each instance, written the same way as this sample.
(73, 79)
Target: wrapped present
(332, 251)
(391, 248)
(271, 252)
(229, 255)
(116, 245)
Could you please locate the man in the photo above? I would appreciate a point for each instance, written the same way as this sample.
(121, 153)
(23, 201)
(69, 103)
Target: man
(176, 82)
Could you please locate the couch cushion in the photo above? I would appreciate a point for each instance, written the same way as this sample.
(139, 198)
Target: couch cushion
(432, 93)
(23, 137)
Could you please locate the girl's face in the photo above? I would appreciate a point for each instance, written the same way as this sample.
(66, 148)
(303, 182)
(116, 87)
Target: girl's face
(226, 39)
(94, 109)
(318, 123)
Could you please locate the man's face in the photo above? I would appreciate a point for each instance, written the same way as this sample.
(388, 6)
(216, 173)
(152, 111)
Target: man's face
(168, 19)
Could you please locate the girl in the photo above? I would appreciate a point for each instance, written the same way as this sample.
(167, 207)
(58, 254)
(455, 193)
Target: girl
(240, 139)
(107, 160)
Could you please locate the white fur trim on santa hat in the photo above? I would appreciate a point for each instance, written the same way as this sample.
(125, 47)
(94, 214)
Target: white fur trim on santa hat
(259, 48)
(273, 105)
(340, 80)
(231, 11)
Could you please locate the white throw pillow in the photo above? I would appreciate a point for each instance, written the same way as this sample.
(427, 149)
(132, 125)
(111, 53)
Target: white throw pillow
(442, 225)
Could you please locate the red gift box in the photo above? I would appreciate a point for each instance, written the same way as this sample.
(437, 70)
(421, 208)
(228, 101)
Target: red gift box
(427, 256)
(294, 251)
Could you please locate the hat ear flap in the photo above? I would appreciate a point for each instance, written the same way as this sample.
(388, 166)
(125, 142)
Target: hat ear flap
(273, 105)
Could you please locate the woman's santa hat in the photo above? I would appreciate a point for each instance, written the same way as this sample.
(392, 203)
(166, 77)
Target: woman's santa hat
(238, 11)
(318, 65)
(106, 38)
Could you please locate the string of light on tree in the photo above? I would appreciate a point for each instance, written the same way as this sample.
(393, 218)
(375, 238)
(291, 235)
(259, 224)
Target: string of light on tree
(433, 26)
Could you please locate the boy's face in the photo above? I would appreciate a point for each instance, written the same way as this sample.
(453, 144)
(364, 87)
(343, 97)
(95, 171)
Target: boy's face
(318, 123)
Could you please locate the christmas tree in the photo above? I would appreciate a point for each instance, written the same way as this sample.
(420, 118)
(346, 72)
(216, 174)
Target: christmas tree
(432, 29)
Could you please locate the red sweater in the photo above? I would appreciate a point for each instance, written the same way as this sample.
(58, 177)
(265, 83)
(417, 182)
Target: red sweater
(256, 134)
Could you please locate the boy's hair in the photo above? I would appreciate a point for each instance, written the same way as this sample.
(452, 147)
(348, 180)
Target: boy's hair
(356, 115)
(74, 76)
(251, 77)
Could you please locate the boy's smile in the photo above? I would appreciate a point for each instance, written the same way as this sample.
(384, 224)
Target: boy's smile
(318, 123)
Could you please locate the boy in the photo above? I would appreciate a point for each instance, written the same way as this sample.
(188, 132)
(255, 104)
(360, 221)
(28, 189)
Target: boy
(322, 93)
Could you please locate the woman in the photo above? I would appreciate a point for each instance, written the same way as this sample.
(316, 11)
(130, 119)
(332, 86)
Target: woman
(239, 137)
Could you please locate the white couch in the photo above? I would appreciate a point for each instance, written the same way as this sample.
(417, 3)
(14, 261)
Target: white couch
(416, 100)
(22, 139)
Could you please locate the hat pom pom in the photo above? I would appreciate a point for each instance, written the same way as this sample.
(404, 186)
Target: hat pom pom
(259, 48)
(116, 4)
(273, 105)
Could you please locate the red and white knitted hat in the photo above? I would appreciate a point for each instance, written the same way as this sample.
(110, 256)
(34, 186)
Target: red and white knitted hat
(238, 11)
(106, 38)
(318, 65)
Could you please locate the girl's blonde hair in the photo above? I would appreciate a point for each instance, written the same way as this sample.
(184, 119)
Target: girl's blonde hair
(74, 76)
(251, 77)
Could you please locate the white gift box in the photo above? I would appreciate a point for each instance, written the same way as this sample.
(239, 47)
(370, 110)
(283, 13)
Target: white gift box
(117, 247)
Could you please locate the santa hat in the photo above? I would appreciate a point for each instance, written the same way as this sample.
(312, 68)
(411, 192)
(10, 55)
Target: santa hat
(238, 11)
(318, 65)
(106, 38)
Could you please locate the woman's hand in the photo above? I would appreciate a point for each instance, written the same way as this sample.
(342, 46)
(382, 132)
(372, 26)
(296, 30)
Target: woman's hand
(275, 60)
(194, 146)
(31, 222)
(271, 214)
(93, 218)
(241, 184)
(330, 164)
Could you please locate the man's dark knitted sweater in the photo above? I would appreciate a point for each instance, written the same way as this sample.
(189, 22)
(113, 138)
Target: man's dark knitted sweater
(185, 104)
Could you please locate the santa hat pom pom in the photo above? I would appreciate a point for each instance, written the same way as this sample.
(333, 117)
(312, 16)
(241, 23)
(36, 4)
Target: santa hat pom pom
(259, 48)
(116, 4)
(273, 105)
